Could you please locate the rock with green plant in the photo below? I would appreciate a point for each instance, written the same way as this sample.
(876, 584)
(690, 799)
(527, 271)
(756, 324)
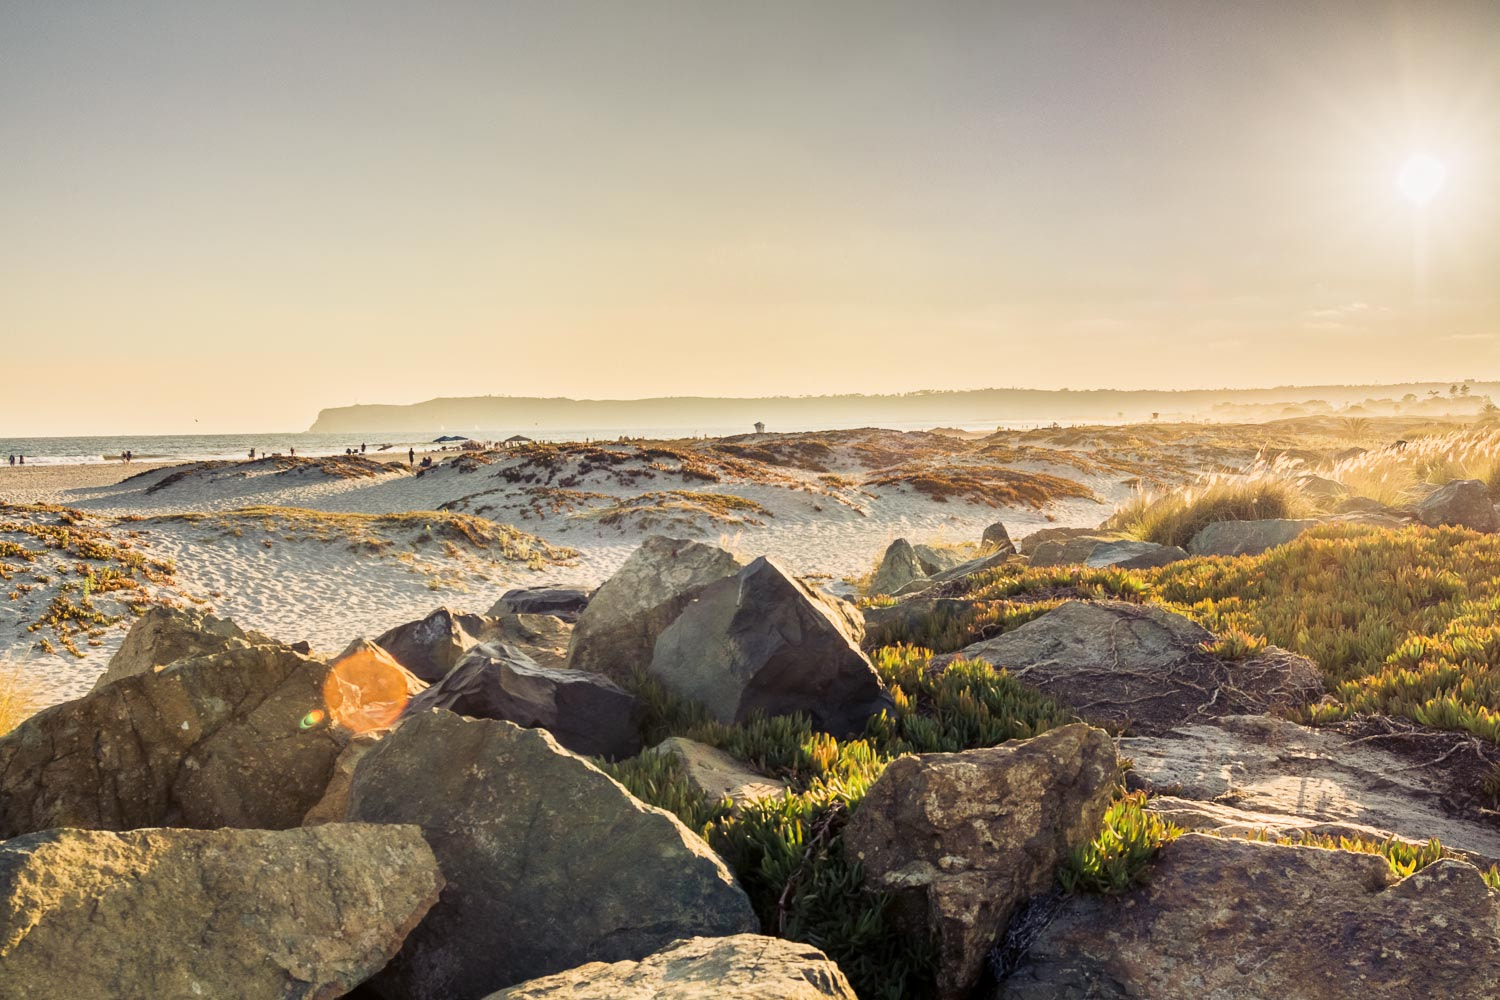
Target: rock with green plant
(587, 713)
(1247, 538)
(1309, 777)
(165, 635)
(550, 863)
(1126, 554)
(762, 642)
(935, 559)
(1462, 503)
(738, 967)
(253, 914)
(241, 738)
(1070, 550)
(1145, 669)
(960, 840)
(1241, 920)
(716, 775)
(616, 633)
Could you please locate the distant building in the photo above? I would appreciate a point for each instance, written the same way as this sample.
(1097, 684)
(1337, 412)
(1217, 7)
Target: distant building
(517, 439)
(760, 428)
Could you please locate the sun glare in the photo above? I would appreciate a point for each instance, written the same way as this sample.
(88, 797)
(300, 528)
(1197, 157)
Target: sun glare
(1421, 178)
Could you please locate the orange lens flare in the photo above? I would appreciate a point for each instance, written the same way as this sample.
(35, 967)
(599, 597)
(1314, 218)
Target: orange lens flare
(365, 689)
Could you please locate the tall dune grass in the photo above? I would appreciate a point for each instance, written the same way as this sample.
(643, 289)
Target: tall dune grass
(1174, 518)
(1394, 475)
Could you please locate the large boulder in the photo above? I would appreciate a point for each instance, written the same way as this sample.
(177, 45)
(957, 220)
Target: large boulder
(1070, 550)
(430, 647)
(1041, 536)
(550, 863)
(898, 567)
(996, 538)
(243, 738)
(1309, 778)
(251, 914)
(165, 635)
(617, 631)
(544, 638)
(566, 603)
(934, 559)
(1144, 668)
(587, 713)
(739, 967)
(1464, 503)
(1238, 920)
(763, 642)
(1247, 538)
(961, 839)
(718, 775)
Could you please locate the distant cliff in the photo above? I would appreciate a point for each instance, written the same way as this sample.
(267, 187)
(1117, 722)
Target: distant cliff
(493, 416)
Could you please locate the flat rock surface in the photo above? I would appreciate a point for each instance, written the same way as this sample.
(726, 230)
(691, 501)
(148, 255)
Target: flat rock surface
(1271, 766)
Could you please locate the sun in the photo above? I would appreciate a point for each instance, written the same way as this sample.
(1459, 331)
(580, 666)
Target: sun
(1421, 178)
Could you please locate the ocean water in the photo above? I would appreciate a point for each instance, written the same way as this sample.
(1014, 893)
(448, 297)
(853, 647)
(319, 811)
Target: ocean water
(196, 447)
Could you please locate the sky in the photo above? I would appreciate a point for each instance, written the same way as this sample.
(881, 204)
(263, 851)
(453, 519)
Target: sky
(225, 216)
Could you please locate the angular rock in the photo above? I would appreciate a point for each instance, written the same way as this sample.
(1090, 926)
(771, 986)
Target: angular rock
(1247, 538)
(1071, 550)
(566, 603)
(429, 648)
(718, 775)
(959, 572)
(241, 738)
(617, 632)
(898, 567)
(250, 914)
(587, 713)
(334, 804)
(740, 967)
(1132, 555)
(1464, 503)
(550, 864)
(996, 537)
(1322, 488)
(1307, 777)
(961, 839)
(1033, 541)
(165, 635)
(762, 641)
(544, 638)
(934, 560)
(1142, 667)
(1232, 919)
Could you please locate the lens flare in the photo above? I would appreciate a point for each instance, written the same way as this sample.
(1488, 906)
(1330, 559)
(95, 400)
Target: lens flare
(312, 719)
(366, 689)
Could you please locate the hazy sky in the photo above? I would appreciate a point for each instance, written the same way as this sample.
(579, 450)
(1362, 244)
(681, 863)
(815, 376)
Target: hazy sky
(237, 213)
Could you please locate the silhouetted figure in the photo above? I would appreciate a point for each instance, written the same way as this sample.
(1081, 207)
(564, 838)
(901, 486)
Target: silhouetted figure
(23, 459)
(252, 454)
(361, 447)
(294, 452)
(13, 460)
(411, 457)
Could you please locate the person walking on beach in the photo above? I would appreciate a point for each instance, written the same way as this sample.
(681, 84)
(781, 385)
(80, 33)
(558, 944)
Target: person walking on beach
(252, 454)
(12, 459)
(294, 452)
(361, 447)
(411, 457)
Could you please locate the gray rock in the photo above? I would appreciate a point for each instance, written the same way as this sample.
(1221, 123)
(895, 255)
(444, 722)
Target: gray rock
(550, 864)
(961, 839)
(996, 537)
(544, 638)
(763, 642)
(740, 967)
(1464, 503)
(1037, 538)
(165, 635)
(962, 571)
(251, 914)
(1322, 488)
(718, 775)
(616, 634)
(1070, 551)
(1306, 776)
(240, 738)
(587, 713)
(1142, 667)
(898, 567)
(1132, 555)
(429, 648)
(934, 560)
(1247, 538)
(1223, 919)
(566, 603)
